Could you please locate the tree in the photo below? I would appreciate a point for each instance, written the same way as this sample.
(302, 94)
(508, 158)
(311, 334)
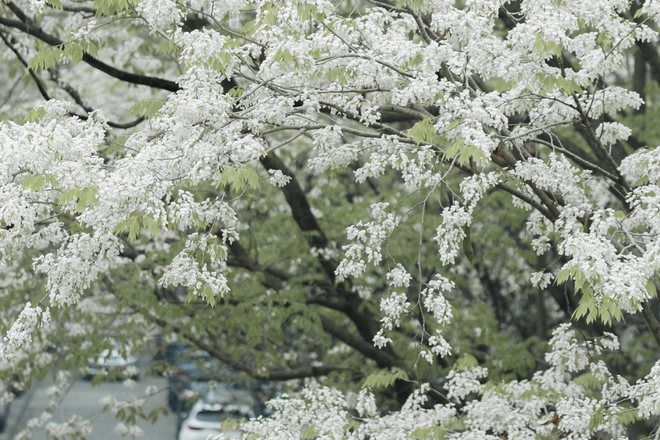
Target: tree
(442, 212)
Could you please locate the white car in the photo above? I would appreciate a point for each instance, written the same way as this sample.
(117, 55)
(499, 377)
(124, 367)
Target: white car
(206, 419)
(114, 361)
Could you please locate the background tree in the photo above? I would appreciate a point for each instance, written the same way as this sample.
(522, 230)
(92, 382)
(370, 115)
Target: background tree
(405, 200)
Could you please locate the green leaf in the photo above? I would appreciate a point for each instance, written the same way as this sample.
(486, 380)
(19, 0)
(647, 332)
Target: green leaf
(117, 144)
(147, 108)
(249, 28)
(239, 178)
(382, 379)
(422, 131)
(650, 288)
(236, 92)
(434, 432)
(36, 183)
(413, 4)
(45, 58)
(87, 197)
(416, 60)
(544, 47)
(68, 196)
(106, 8)
(563, 275)
(34, 114)
(309, 433)
(628, 416)
(309, 10)
(167, 47)
(588, 381)
(73, 52)
(56, 4)
(597, 418)
(466, 362)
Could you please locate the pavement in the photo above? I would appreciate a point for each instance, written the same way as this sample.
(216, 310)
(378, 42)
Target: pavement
(84, 399)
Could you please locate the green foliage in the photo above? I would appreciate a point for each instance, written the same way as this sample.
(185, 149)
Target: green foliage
(339, 75)
(45, 58)
(116, 145)
(412, 4)
(546, 47)
(627, 415)
(310, 433)
(147, 108)
(552, 82)
(56, 4)
(382, 379)
(309, 11)
(84, 197)
(135, 222)
(37, 183)
(239, 178)
(465, 152)
(167, 47)
(105, 8)
(590, 307)
(35, 114)
(589, 381)
(466, 362)
(72, 51)
(423, 131)
(439, 432)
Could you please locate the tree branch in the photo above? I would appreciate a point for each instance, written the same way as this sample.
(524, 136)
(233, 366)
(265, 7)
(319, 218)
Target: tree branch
(26, 25)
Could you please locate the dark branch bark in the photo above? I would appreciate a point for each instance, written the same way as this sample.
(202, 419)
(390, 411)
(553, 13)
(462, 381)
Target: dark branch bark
(381, 357)
(639, 79)
(651, 322)
(301, 211)
(274, 375)
(26, 25)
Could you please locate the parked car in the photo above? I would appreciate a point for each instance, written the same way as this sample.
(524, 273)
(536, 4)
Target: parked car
(117, 362)
(191, 376)
(172, 352)
(206, 415)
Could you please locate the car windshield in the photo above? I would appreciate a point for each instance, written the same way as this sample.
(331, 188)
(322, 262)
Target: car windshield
(218, 416)
(201, 366)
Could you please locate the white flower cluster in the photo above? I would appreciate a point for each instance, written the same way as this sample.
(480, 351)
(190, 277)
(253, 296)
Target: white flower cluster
(368, 239)
(74, 427)
(399, 277)
(86, 33)
(331, 151)
(202, 46)
(162, 15)
(202, 279)
(621, 278)
(185, 212)
(394, 307)
(277, 178)
(19, 335)
(451, 233)
(461, 383)
(541, 280)
(571, 355)
(83, 255)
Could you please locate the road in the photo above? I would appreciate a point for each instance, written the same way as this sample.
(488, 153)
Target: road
(83, 399)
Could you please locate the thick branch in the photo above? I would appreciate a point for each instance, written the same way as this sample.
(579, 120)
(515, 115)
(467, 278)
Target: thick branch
(274, 375)
(26, 25)
(301, 211)
(651, 322)
(382, 358)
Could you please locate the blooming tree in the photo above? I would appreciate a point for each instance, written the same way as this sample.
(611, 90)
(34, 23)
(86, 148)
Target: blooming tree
(441, 215)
